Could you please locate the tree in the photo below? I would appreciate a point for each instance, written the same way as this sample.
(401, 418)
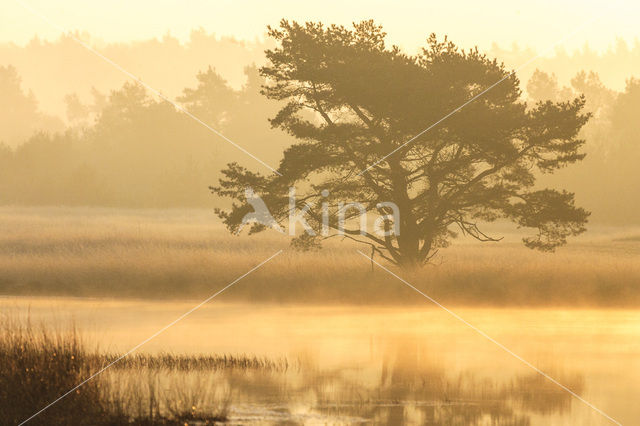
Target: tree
(20, 116)
(624, 138)
(81, 114)
(542, 87)
(148, 153)
(369, 100)
(230, 111)
(211, 100)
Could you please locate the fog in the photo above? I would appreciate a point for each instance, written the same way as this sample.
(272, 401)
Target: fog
(81, 133)
(142, 177)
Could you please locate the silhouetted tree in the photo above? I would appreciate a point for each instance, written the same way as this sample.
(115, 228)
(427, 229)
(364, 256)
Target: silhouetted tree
(369, 100)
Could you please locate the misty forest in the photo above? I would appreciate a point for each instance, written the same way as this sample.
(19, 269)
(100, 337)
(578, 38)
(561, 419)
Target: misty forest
(90, 147)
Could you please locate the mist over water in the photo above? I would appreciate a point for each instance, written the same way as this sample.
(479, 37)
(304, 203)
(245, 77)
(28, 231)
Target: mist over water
(389, 365)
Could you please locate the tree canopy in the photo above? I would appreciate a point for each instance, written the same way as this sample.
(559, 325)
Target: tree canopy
(367, 100)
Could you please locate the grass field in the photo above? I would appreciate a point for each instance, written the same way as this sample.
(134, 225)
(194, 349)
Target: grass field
(187, 254)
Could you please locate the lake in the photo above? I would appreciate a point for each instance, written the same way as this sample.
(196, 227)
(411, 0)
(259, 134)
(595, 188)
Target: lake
(385, 365)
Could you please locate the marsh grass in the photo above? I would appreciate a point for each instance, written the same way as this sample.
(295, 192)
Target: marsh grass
(36, 368)
(38, 365)
(167, 361)
(187, 254)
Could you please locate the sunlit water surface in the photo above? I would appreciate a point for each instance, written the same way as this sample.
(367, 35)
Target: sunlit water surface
(387, 365)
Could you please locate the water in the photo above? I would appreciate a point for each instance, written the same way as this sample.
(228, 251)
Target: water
(387, 365)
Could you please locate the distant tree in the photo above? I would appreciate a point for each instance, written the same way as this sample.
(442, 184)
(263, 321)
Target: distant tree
(76, 110)
(251, 107)
(599, 98)
(542, 87)
(20, 117)
(622, 172)
(6, 161)
(81, 113)
(211, 100)
(369, 100)
(240, 115)
(148, 153)
(625, 125)
(608, 165)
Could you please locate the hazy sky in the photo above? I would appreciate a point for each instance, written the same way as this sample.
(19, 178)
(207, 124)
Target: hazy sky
(536, 24)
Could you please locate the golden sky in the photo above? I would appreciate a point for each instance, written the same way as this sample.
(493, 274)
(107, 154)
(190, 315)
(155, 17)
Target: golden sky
(537, 24)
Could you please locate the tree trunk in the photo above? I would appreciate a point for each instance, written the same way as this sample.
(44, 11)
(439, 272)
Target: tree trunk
(408, 239)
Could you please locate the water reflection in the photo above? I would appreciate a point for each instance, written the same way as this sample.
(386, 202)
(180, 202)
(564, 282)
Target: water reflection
(382, 365)
(403, 388)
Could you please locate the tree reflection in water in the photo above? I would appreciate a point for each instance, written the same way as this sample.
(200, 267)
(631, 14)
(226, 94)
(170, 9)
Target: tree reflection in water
(402, 388)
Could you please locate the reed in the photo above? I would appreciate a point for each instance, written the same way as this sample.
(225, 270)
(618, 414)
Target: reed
(38, 365)
(187, 254)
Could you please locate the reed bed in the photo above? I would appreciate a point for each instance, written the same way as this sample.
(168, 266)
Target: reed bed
(173, 362)
(39, 364)
(187, 254)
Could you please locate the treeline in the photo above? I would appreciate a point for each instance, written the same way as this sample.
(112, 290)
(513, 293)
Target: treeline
(56, 68)
(126, 148)
(129, 149)
(614, 65)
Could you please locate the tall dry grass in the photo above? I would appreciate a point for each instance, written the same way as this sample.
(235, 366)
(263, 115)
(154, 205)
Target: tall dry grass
(187, 254)
(36, 368)
(39, 364)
